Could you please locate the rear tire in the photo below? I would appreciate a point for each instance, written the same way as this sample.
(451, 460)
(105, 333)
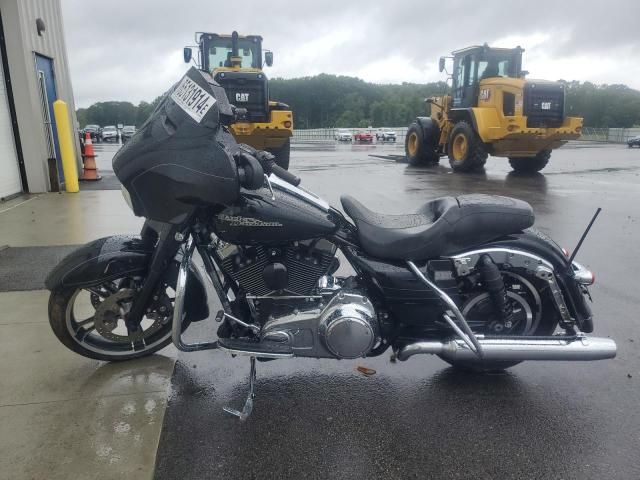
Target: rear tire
(530, 164)
(465, 149)
(282, 154)
(416, 149)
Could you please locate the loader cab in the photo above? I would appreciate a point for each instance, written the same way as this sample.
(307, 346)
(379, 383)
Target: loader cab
(235, 62)
(473, 64)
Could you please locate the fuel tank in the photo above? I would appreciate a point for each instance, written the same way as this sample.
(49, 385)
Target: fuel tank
(290, 214)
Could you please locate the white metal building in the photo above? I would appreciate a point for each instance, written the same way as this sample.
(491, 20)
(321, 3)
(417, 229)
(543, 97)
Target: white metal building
(34, 74)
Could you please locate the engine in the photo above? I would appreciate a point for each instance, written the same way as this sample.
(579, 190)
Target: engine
(297, 301)
(289, 270)
(346, 327)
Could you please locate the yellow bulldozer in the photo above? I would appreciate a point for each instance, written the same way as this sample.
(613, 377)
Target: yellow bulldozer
(236, 63)
(492, 110)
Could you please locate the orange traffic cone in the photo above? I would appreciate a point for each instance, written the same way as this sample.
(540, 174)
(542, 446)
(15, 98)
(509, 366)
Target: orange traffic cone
(89, 169)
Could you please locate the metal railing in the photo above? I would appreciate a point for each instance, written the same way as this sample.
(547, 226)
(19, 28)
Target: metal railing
(589, 134)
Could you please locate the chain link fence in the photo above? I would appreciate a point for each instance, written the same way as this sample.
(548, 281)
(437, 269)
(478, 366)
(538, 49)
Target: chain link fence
(589, 134)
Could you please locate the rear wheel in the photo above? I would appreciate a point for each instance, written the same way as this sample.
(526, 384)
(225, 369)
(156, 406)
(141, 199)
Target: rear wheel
(530, 164)
(534, 313)
(282, 154)
(466, 150)
(416, 149)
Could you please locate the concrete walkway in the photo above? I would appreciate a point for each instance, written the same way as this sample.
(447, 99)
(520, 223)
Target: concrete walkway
(63, 416)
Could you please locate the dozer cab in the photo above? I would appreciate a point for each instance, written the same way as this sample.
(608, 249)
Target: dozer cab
(236, 62)
(492, 110)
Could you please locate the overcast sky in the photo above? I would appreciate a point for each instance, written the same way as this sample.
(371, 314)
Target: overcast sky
(132, 50)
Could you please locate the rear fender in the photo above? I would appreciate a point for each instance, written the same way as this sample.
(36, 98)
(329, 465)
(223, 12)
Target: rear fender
(536, 242)
(114, 257)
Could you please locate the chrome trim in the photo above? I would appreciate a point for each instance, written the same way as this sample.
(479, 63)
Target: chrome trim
(582, 275)
(234, 351)
(576, 348)
(465, 262)
(254, 328)
(178, 306)
(548, 276)
(469, 337)
(299, 192)
(283, 297)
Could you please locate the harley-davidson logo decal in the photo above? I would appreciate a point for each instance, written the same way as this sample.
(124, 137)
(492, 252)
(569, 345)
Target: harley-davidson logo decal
(246, 221)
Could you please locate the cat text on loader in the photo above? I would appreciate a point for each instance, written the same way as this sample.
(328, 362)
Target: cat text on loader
(235, 62)
(492, 110)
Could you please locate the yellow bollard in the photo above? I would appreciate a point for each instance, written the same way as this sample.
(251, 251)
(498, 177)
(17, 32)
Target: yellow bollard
(65, 139)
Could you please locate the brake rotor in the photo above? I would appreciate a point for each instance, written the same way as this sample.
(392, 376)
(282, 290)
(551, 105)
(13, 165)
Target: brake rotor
(111, 313)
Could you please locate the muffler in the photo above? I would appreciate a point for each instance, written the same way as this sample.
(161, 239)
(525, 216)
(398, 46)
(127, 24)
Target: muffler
(563, 348)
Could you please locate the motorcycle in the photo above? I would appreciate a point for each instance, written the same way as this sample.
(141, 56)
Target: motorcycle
(465, 278)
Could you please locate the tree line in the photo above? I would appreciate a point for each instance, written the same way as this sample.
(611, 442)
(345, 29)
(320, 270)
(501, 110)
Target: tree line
(331, 101)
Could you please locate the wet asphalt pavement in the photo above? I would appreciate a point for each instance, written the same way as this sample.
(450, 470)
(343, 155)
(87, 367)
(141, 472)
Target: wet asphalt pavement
(420, 419)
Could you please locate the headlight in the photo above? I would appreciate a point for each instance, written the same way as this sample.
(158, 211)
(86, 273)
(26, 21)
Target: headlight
(127, 197)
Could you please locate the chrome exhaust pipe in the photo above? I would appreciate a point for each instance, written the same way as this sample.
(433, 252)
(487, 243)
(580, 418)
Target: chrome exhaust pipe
(562, 348)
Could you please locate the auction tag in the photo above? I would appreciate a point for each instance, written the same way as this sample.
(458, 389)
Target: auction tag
(192, 99)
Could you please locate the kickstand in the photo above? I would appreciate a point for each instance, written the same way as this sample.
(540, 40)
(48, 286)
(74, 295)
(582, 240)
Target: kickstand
(248, 404)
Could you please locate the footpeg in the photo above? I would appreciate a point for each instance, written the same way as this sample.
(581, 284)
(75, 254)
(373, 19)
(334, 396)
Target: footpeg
(248, 404)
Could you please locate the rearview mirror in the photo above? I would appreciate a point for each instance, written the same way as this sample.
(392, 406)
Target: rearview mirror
(268, 58)
(187, 54)
(441, 64)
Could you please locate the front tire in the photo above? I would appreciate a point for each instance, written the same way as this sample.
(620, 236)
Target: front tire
(416, 149)
(90, 323)
(465, 149)
(530, 164)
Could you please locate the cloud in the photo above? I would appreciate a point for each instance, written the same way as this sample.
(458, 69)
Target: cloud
(132, 50)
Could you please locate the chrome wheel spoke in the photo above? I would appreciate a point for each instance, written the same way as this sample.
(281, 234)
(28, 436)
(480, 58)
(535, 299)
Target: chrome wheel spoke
(85, 322)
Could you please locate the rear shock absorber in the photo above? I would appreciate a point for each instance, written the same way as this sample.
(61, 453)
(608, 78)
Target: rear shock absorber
(492, 279)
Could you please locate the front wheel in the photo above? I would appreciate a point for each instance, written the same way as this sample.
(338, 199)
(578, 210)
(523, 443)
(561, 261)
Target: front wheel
(90, 321)
(465, 148)
(416, 149)
(530, 164)
(534, 314)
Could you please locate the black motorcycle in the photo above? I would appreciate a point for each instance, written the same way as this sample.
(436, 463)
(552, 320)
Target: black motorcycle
(465, 278)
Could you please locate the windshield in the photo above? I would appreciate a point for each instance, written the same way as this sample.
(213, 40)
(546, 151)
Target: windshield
(220, 51)
(497, 64)
(108, 128)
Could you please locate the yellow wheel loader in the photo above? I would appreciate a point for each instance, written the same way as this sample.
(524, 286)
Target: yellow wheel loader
(236, 62)
(492, 110)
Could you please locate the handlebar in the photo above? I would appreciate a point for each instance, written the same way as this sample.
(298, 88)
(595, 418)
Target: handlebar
(285, 175)
(248, 177)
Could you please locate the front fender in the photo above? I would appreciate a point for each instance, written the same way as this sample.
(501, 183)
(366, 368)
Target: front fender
(115, 257)
(536, 242)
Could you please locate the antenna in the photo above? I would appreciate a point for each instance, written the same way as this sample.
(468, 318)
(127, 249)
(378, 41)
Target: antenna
(584, 235)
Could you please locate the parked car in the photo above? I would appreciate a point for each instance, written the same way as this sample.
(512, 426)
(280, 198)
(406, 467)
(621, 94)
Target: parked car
(110, 132)
(634, 142)
(127, 132)
(386, 136)
(363, 137)
(343, 135)
(93, 130)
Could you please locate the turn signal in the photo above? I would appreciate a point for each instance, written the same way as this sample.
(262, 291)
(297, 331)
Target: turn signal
(287, 124)
(582, 275)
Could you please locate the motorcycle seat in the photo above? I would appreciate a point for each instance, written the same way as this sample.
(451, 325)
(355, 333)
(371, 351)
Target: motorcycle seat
(441, 226)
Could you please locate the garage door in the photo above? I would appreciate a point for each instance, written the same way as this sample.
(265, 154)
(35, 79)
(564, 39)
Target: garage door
(9, 172)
